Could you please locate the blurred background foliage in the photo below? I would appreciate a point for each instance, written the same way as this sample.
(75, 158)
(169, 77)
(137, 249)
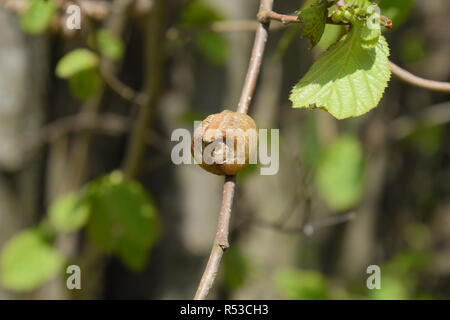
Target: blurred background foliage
(349, 194)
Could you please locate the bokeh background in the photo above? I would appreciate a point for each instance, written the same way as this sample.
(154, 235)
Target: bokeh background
(86, 176)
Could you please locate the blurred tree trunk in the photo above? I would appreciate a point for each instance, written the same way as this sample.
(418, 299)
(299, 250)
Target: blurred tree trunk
(23, 89)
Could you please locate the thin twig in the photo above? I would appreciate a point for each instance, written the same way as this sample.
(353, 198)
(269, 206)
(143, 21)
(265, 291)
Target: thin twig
(221, 239)
(255, 59)
(265, 16)
(287, 19)
(416, 81)
(121, 88)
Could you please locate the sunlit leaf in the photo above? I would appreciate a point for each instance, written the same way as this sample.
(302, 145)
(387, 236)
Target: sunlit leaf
(331, 34)
(38, 16)
(109, 45)
(340, 173)
(76, 61)
(70, 212)
(27, 261)
(347, 80)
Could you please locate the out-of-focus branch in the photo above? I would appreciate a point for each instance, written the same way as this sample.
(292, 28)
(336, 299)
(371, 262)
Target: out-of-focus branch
(94, 9)
(80, 153)
(121, 88)
(416, 81)
(154, 77)
(435, 115)
(105, 123)
(221, 239)
(308, 228)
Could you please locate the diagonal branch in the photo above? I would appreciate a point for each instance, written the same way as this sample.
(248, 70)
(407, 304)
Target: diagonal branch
(221, 239)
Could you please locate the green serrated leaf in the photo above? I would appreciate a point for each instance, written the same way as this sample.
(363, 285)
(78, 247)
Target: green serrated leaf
(38, 15)
(123, 219)
(27, 261)
(109, 45)
(70, 212)
(347, 80)
(339, 176)
(314, 19)
(85, 84)
(76, 61)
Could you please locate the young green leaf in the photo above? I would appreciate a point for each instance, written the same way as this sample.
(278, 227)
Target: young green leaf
(27, 261)
(123, 219)
(69, 213)
(38, 15)
(109, 45)
(313, 20)
(339, 176)
(347, 80)
(85, 84)
(76, 61)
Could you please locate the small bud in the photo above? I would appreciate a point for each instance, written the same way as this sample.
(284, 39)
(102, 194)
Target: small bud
(224, 142)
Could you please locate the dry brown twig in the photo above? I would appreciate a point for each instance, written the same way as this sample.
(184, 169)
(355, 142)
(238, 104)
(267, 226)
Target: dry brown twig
(221, 239)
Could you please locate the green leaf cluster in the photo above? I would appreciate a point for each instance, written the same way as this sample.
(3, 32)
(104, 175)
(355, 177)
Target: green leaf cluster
(123, 219)
(347, 80)
(80, 68)
(119, 217)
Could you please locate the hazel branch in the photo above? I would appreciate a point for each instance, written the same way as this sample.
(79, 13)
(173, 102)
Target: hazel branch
(221, 239)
